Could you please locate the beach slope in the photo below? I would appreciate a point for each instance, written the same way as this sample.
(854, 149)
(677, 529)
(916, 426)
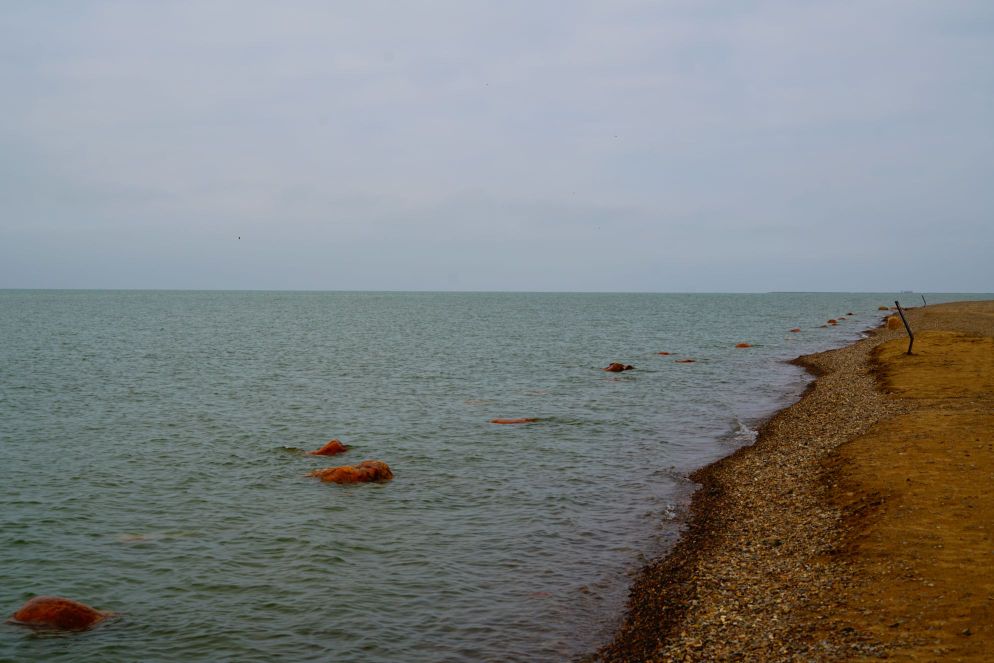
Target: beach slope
(858, 526)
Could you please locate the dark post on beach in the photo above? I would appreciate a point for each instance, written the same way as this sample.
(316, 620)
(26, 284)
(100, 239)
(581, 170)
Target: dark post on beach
(924, 303)
(906, 325)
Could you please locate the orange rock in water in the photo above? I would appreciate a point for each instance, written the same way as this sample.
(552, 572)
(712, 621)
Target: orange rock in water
(664, 354)
(366, 471)
(796, 329)
(743, 345)
(617, 368)
(883, 308)
(893, 322)
(685, 361)
(333, 447)
(520, 420)
(59, 613)
(833, 321)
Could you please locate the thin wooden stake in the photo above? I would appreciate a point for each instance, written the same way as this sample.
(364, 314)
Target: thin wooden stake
(906, 325)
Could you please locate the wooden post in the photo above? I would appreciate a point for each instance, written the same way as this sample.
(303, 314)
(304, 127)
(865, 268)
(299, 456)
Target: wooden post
(906, 325)
(924, 303)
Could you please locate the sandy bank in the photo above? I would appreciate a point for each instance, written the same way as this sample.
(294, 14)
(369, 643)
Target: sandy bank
(860, 523)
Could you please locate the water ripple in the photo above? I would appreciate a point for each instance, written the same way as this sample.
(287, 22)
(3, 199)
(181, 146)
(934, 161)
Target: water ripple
(153, 463)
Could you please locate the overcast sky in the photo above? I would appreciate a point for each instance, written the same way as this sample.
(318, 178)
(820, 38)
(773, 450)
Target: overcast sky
(457, 145)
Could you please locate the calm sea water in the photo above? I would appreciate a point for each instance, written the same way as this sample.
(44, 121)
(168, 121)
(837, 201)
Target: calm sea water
(150, 462)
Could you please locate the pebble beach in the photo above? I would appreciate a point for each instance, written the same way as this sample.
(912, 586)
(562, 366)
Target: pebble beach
(795, 552)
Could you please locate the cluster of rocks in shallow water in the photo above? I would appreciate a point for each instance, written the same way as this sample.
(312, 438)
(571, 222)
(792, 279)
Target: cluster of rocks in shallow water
(365, 472)
(59, 613)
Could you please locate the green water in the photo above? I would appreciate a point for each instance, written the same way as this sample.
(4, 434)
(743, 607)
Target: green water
(150, 462)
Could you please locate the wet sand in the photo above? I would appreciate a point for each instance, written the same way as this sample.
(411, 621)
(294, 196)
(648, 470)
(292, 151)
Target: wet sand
(859, 525)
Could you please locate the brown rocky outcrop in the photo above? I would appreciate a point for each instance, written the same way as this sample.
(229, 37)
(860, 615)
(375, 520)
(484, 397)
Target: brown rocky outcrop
(332, 448)
(364, 472)
(56, 612)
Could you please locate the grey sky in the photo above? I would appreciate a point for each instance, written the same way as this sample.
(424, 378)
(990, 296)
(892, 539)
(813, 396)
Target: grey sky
(632, 146)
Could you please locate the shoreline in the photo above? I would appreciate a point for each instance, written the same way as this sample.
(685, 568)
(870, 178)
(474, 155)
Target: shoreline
(769, 566)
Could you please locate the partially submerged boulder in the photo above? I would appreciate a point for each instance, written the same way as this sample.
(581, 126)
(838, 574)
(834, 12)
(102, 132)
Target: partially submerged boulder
(332, 448)
(743, 345)
(519, 420)
(617, 368)
(664, 354)
(685, 361)
(893, 322)
(364, 472)
(833, 321)
(56, 612)
(795, 330)
(883, 308)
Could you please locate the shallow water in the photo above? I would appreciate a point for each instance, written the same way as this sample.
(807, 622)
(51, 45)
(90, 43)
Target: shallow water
(150, 446)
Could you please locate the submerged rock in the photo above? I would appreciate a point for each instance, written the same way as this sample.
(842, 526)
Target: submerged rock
(520, 420)
(796, 329)
(664, 354)
(743, 345)
(58, 613)
(332, 448)
(685, 361)
(364, 472)
(615, 367)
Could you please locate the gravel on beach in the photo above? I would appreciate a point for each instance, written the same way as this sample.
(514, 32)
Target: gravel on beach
(757, 574)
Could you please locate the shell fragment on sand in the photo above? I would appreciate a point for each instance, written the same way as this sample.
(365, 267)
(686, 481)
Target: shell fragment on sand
(56, 612)
(365, 472)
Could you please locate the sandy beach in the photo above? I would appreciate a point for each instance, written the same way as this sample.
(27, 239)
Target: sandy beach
(857, 526)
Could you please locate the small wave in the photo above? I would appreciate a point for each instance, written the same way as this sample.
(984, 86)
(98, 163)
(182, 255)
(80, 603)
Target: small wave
(743, 434)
